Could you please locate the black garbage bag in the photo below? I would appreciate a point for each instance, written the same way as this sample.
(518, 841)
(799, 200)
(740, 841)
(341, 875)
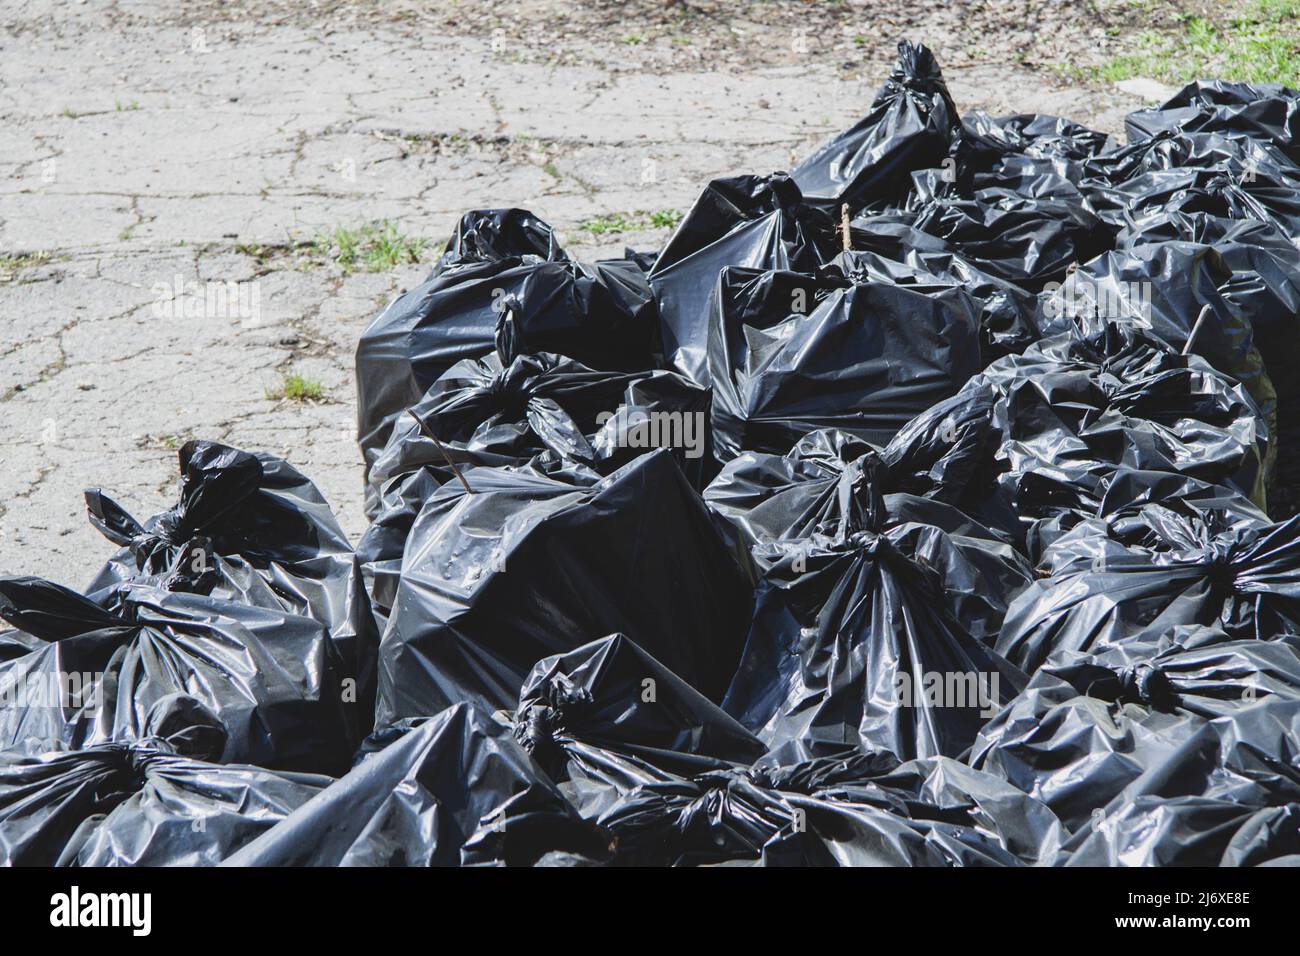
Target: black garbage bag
(1170, 290)
(497, 261)
(854, 809)
(1139, 181)
(1264, 287)
(1135, 502)
(1109, 586)
(835, 484)
(455, 789)
(159, 801)
(895, 252)
(504, 409)
(500, 411)
(994, 144)
(932, 790)
(1230, 795)
(608, 720)
(273, 679)
(1186, 830)
(949, 453)
(1191, 669)
(911, 125)
(251, 529)
(1075, 408)
(1088, 724)
(1228, 176)
(759, 222)
(1120, 508)
(607, 717)
(856, 638)
(1020, 220)
(1267, 112)
(1029, 235)
(1076, 752)
(792, 353)
(531, 565)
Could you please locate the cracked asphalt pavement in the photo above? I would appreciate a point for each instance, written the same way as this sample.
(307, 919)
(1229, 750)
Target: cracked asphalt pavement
(144, 150)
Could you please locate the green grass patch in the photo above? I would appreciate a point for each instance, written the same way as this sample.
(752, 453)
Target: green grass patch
(1259, 44)
(10, 266)
(377, 247)
(614, 223)
(295, 388)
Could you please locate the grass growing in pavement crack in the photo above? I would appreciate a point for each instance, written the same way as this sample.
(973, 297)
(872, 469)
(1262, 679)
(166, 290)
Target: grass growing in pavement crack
(1260, 43)
(618, 222)
(297, 389)
(376, 248)
(10, 266)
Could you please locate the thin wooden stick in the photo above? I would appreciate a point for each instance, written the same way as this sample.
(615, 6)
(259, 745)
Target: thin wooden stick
(424, 427)
(844, 226)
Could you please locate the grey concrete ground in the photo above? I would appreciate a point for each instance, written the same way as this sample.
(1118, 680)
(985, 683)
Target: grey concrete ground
(143, 147)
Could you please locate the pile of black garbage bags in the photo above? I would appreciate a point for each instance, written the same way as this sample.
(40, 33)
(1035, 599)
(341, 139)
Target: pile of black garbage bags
(931, 504)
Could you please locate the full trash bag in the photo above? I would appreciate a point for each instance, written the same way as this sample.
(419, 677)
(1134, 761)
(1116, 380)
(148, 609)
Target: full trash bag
(758, 222)
(1267, 112)
(998, 144)
(1227, 796)
(158, 801)
(499, 260)
(1075, 408)
(791, 353)
(1264, 287)
(499, 410)
(1205, 568)
(1023, 223)
(846, 809)
(638, 749)
(606, 717)
(931, 790)
(949, 453)
(455, 789)
(1227, 176)
(833, 483)
(248, 528)
(911, 125)
(273, 679)
(503, 410)
(1089, 723)
(530, 565)
(1170, 291)
(898, 253)
(871, 627)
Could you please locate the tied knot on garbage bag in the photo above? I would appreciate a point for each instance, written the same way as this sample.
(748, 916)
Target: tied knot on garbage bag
(178, 724)
(508, 340)
(538, 725)
(861, 489)
(216, 483)
(509, 390)
(1221, 564)
(1147, 684)
(187, 726)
